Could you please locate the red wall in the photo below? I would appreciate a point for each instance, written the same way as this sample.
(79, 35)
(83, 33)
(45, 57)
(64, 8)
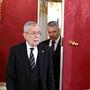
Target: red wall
(14, 14)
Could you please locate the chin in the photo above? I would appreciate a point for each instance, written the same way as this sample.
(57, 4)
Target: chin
(36, 44)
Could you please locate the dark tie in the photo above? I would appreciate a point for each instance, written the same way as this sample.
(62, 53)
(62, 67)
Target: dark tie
(32, 59)
(53, 44)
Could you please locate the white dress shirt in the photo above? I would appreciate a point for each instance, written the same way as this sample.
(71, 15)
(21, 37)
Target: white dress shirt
(35, 51)
(56, 43)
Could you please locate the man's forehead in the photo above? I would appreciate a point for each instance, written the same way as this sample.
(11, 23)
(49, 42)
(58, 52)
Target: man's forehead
(52, 29)
(36, 28)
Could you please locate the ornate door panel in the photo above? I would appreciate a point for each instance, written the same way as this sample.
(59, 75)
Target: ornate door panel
(76, 66)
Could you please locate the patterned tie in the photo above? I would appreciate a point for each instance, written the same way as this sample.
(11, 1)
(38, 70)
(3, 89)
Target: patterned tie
(53, 45)
(32, 59)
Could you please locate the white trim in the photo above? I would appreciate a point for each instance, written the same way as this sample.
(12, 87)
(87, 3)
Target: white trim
(38, 13)
(62, 35)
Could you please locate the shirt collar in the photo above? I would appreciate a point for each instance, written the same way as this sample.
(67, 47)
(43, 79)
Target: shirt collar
(57, 40)
(28, 46)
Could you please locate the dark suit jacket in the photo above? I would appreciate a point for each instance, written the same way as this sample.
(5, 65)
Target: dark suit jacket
(56, 62)
(18, 69)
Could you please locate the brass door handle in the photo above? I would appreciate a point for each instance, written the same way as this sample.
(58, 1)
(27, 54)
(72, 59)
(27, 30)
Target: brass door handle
(73, 43)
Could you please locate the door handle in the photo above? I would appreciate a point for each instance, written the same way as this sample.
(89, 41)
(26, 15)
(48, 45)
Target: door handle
(73, 43)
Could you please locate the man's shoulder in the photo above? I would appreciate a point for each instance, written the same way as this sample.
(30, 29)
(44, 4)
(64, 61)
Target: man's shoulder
(44, 47)
(45, 41)
(19, 45)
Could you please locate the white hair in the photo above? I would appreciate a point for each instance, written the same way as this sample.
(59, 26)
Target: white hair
(28, 25)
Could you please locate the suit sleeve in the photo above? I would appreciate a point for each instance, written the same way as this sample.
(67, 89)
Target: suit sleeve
(10, 82)
(51, 82)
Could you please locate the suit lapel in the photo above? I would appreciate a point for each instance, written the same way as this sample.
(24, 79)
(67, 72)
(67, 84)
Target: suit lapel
(42, 62)
(25, 59)
(58, 46)
(48, 42)
(40, 55)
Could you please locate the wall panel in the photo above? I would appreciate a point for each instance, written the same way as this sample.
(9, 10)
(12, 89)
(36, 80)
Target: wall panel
(14, 13)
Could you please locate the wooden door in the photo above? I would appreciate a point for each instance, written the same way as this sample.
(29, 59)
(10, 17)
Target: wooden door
(76, 63)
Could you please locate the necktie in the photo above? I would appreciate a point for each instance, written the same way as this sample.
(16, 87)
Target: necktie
(32, 59)
(53, 42)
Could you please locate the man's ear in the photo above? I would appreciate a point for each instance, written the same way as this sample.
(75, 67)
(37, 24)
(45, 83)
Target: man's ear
(24, 35)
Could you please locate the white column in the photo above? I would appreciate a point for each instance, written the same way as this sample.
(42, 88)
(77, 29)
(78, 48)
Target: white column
(42, 18)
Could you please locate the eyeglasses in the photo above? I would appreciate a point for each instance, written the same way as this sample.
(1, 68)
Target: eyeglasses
(34, 33)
